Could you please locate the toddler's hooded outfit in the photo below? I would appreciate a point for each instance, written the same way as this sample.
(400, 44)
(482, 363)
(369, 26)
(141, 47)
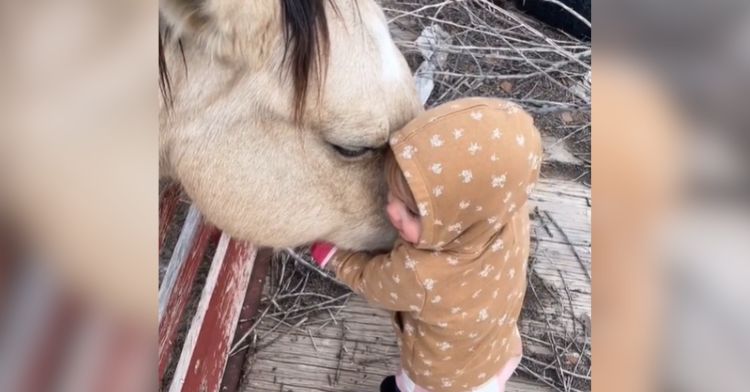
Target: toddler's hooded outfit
(456, 295)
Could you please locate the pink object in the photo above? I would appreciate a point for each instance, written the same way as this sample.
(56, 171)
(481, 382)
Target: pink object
(494, 384)
(322, 252)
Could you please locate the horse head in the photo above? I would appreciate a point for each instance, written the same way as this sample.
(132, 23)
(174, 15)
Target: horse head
(275, 114)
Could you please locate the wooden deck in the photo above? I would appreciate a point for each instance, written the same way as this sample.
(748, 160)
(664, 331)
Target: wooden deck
(353, 355)
(561, 259)
(360, 350)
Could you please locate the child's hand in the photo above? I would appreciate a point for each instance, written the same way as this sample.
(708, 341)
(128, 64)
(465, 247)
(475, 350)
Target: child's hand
(322, 252)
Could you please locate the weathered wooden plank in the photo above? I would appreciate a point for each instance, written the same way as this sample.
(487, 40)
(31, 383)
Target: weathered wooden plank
(179, 255)
(368, 386)
(551, 259)
(168, 201)
(568, 206)
(369, 329)
(235, 364)
(308, 359)
(564, 297)
(204, 355)
(564, 188)
(179, 285)
(562, 260)
(368, 326)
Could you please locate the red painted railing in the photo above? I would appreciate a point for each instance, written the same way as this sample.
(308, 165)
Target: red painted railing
(203, 359)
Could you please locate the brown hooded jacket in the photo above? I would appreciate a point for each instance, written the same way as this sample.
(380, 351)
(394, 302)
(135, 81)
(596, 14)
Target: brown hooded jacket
(457, 294)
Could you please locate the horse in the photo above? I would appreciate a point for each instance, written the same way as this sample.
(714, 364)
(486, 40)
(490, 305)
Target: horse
(274, 116)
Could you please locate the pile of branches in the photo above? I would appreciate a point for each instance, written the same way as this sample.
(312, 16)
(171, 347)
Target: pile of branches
(460, 48)
(485, 48)
(299, 296)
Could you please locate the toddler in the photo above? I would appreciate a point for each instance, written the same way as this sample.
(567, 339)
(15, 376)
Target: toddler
(458, 176)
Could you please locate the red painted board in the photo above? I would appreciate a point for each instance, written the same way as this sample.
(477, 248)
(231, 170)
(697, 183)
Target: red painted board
(204, 355)
(180, 295)
(167, 207)
(236, 362)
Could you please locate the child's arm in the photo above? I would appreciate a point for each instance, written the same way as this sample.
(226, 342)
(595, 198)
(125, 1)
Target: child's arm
(386, 280)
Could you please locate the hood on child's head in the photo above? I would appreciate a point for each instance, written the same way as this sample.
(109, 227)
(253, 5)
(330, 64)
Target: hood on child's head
(470, 164)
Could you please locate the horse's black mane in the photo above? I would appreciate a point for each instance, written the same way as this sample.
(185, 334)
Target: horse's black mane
(306, 47)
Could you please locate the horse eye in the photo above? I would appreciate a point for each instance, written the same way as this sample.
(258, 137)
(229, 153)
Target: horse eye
(351, 152)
